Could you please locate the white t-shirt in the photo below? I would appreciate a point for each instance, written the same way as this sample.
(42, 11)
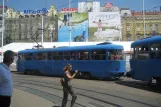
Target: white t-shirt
(6, 86)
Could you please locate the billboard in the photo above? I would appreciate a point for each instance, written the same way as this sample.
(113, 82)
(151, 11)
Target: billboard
(104, 26)
(79, 27)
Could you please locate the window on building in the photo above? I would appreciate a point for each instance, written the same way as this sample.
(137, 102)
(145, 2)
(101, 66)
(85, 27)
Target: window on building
(156, 27)
(151, 27)
(115, 55)
(128, 38)
(58, 55)
(98, 55)
(0, 25)
(141, 52)
(138, 37)
(19, 36)
(69, 55)
(155, 51)
(28, 56)
(128, 27)
(83, 55)
(138, 27)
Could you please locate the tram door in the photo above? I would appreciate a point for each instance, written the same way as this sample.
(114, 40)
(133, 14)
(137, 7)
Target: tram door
(141, 63)
(46, 63)
(20, 63)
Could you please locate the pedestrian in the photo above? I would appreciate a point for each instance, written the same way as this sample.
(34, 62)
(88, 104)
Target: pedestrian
(67, 87)
(6, 88)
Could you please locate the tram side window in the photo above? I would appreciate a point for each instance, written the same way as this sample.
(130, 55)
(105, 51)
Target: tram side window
(28, 56)
(115, 55)
(43, 56)
(58, 55)
(155, 51)
(83, 55)
(132, 53)
(69, 55)
(98, 55)
(142, 52)
(72, 57)
(21, 57)
(38, 56)
(49, 56)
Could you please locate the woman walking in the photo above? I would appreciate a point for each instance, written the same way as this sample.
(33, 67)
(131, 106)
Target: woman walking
(67, 87)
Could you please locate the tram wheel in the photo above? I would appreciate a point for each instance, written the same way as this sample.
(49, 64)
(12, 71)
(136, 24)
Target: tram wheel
(87, 75)
(150, 83)
(116, 78)
(158, 82)
(25, 72)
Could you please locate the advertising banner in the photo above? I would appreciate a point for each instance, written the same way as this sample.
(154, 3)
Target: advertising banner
(104, 26)
(77, 23)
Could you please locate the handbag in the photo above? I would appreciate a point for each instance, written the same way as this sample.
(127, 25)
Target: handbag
(62, 82)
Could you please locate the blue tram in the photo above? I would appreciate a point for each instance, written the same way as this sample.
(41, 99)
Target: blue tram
(99, 61)
(145, 63)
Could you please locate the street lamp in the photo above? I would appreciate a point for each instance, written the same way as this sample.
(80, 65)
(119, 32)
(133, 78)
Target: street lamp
(2, 32)
(42, 26)
(120, 29)
(144, 19)
(70, 33)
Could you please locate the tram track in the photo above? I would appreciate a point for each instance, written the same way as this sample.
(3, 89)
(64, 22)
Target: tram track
(81, 96)
(44, 94)
(88, 93)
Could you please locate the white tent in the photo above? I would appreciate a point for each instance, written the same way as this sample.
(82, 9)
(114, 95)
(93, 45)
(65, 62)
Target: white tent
(21, 46)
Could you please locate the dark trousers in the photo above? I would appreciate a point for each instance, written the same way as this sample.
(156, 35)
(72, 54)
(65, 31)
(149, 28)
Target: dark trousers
(65, 96)
(5, 101)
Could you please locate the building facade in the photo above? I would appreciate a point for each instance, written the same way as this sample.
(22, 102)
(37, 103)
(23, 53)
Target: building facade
(21, 27)
(133, 26)
(24, 27)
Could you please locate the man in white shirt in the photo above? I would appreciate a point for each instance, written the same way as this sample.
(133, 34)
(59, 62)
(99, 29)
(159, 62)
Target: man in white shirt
(6, 87)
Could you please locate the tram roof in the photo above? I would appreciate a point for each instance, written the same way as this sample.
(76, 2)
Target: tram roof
(74, 48)
(146, 41)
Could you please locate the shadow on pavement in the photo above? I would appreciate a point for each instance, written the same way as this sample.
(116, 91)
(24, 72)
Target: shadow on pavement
(140, 85)
(93, 79)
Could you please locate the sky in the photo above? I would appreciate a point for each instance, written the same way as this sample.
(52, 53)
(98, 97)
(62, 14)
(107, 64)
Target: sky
(21, 5)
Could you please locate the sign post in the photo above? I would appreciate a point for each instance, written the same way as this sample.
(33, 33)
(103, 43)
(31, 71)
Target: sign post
(144, 19)
(42, 38)
(2, 32)
(70, 24)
